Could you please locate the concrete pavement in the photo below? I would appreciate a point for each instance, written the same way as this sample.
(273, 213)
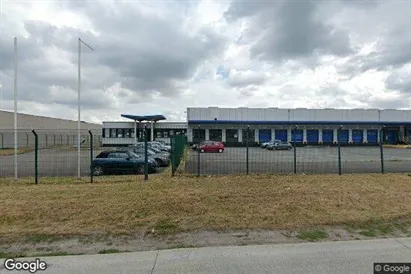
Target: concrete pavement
(325, 257)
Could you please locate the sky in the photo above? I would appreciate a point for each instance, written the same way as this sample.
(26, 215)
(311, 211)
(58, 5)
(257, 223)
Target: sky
(160, 57)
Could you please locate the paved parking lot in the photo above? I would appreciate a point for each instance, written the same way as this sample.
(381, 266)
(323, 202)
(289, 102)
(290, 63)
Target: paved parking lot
(309, 160)
(52, 163)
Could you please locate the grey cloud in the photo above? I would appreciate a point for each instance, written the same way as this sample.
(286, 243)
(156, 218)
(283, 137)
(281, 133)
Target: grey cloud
(400, 82)
(145, 54)
(290, 30)
(244, 80)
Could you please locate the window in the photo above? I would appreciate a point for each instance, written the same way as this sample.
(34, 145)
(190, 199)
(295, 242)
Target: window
(113, 133)
(158, 133)
(103, 133)
(128, 133)
(165, 134)
(120, 133)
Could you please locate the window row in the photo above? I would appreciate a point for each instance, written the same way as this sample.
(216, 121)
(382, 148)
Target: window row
(129, 132)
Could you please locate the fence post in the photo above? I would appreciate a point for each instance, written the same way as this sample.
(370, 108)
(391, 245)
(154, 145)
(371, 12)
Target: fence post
(46, 141)
(339, 150)
(295, 149)
(2, 142)
(36, 148)
(68, 139)
(27, 140)
(91, 156)
(145, 154)
(54, 139)
(382, 149)
(173, 153)
(246, 142)
(198, 155)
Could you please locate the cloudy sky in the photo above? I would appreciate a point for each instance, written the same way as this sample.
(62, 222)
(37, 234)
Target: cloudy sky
(160, 57)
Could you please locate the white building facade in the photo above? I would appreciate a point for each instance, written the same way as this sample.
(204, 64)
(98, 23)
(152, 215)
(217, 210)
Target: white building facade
(307, 126)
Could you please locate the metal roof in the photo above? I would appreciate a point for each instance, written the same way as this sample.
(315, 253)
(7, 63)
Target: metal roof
(141, 118)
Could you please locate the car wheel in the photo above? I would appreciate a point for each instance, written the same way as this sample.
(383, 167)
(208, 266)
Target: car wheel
(220, 150)
(158, 162)
(98, 171)
(202, 150)
(140, 169)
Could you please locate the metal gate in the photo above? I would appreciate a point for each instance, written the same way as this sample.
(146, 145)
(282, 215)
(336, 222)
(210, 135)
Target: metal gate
(344, 136)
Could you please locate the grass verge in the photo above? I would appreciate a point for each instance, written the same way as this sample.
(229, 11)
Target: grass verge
(125, 205)
(312, 235)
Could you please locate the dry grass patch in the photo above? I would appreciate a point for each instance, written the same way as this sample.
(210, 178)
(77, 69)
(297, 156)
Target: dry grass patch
(10, 151)
(124, 205)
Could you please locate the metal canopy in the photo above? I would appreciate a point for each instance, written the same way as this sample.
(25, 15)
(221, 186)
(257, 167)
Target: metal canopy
(140, 118)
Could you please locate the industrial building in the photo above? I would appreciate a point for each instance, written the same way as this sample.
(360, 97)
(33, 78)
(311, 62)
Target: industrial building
(308, 126)
(51, 131)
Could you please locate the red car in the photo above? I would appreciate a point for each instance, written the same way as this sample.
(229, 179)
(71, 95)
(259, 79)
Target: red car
(211, 146)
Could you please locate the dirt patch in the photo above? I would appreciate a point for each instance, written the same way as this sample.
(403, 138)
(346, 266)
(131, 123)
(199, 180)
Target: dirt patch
(10, 151)
(146, 242)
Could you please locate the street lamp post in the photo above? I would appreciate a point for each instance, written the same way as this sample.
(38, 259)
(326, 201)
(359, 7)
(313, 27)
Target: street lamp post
(79, 88)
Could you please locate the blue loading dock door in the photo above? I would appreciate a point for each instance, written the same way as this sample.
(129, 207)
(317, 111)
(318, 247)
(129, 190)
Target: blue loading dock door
(264, 135)
(312, 136)
(298, 135)
(390, 137)
(344, 136)
(281, 134)
(357, 136)
(372, 136)
(328, 136)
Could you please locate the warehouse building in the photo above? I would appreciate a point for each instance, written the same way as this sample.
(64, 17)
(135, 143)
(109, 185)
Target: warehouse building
(307, 126)
(51, 131)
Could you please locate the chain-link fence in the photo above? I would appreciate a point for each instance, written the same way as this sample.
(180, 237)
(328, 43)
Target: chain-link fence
(47, 153)
(54, 154)
(340, 157)
(178, 145)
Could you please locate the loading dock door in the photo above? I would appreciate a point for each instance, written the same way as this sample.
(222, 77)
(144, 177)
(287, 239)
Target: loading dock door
(391, 137)
(264, 135)
(297, 135)
(281, 134)
(357, 136)
(344, 136)
(312, 136)
(372, 136)
(328, 136)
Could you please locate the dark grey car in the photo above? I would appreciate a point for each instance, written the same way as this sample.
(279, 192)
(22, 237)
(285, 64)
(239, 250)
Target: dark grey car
(280, 146)
(161, 159)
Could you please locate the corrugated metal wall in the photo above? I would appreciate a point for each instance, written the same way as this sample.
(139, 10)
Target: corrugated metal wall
(299, 114)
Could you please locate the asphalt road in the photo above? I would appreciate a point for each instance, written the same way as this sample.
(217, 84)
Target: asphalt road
(309, 160)
(318, 258)
(52, 163)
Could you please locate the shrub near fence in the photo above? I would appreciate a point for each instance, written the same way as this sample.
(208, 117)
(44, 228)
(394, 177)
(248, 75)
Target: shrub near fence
(178, 145)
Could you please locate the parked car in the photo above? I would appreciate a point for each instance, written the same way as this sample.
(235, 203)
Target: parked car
(161, 159)
(120, 162)
(280, 146)
(265, 144)
(211, 146)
